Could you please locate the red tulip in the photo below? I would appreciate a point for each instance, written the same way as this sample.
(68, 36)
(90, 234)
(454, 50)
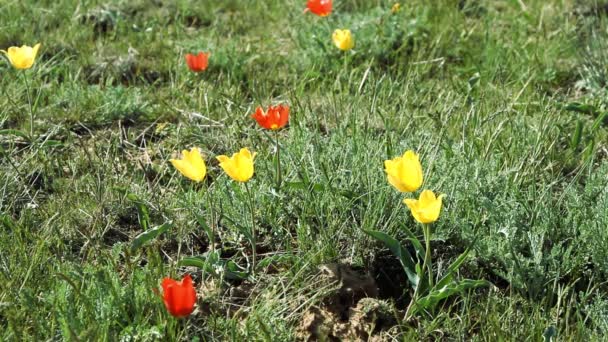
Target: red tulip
(197, 63)
(179, 296)
(274, 118)
(319, 7)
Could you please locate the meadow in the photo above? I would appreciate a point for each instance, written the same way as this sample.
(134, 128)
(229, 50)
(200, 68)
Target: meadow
(503, 102)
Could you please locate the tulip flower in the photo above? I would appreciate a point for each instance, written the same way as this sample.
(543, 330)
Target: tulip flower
(239, 167)
(405, 172)
(321, 8)
(179, 296)
(343, 39)
(396, 8)
(197, 63)
(274, 118)
(191, 165)
(22, 57)
(426, 209)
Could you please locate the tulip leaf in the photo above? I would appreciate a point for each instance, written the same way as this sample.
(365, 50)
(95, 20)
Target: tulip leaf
(234, 271)
(202, 262)
(142, 211)
(580, 108)
(14, 132)
(277, 260)
(576, 137)
(601, 119)
(439, 293)
(51, 143)
(149, 235)
(447, 278)
(201, 221)
(407, 262)
(212, 264)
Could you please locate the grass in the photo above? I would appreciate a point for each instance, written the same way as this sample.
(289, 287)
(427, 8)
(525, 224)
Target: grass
(503, 101)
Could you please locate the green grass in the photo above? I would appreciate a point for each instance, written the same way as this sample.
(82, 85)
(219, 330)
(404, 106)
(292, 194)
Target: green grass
(484, 90)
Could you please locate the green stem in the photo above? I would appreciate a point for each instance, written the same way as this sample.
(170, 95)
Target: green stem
(279, 179)
(212, 212)
(427, 263)
(29, 101)
(253, 230)
(426, 228)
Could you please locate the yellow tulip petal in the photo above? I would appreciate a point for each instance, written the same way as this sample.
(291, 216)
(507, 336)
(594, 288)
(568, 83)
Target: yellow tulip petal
(191, 165)
(239, 167)
(427, 208)
(405, 172)
(35, 51)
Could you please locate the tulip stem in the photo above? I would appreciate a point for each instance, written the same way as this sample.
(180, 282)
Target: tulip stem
(426, 228)
(276, 139)
(212, 212)
(253, 230)
(29, 101)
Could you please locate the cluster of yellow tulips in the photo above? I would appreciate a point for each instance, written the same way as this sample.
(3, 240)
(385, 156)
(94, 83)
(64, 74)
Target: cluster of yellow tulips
(405, 174)
(239, 167)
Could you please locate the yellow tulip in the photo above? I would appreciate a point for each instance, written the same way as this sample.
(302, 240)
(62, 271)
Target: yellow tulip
(405, 172)
(396, 8)
(22, 57)
(343, 39)
(425, 209)
(238, 167)
(191, 165)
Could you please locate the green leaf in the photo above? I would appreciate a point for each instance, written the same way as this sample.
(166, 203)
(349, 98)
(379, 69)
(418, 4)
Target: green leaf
(407, 262)
(51, 143)
(305, 186)
(8, 222)
(277, 259)
(208, 262)
(142, 211)
(201, 221)
(576, 137)
(149, 235)
(439, 293)
(14, 132)
(453, 268)
(601, 119)
(580, 108)
(211, 263)
(234, 271)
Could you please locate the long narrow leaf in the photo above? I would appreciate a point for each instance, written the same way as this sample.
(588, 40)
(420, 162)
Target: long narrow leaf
(149, 235)
(447, 278)
(409, 266)
(437, 294)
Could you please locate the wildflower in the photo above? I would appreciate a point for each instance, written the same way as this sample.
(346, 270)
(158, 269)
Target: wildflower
(405, 172)
(343, 39)
(396, 8)
(179, 296)
(321, 8)
(22, 57)
(238, 167)
(197, 63)
(274, 118)
(191, 165)
(425, 209)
